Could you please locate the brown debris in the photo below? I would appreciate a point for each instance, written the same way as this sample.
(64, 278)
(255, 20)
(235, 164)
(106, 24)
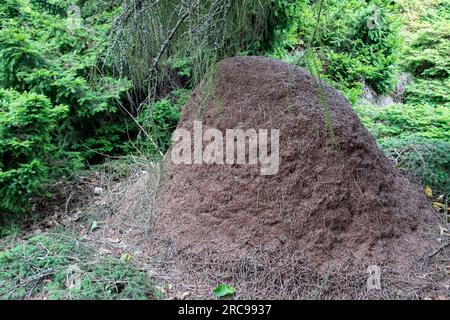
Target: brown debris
(335, 198)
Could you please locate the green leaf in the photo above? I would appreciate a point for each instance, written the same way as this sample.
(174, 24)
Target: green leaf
(224, 290)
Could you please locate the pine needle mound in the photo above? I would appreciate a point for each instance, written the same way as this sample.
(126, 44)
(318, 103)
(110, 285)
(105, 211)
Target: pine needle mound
(335, 207)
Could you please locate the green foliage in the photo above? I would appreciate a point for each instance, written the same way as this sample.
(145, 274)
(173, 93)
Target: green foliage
(427, 59)
(427, 56)
(350, 51)
(224, 290)
(182, 67)
(417, 137)
(434, 92)
(283, 28)
(403, 120)
(62, 267)
(354, 51)
(160, 119)
(48, 61)
(417, 15)
(54, 7)
(40, 53)
(27, 122)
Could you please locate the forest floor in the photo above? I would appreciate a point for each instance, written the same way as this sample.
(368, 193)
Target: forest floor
(108, 214)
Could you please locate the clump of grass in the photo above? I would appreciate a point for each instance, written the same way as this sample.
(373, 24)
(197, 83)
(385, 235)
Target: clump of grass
(57, 266)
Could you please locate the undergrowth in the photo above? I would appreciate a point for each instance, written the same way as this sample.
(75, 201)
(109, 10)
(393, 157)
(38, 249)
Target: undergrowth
(59, 266)
(351, 54)
(415, 137)
(59, 100)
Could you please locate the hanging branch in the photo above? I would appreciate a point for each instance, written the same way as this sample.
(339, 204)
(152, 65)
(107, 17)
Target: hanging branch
(202, 31)
(169, 38)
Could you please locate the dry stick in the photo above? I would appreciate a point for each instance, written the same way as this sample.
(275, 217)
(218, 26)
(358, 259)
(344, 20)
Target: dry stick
(438, 250)
(67, 202)
(142, 128)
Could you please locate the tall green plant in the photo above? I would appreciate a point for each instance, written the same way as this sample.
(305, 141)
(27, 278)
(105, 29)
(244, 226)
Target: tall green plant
(40, 52)
(27, 122)
(48, 61)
